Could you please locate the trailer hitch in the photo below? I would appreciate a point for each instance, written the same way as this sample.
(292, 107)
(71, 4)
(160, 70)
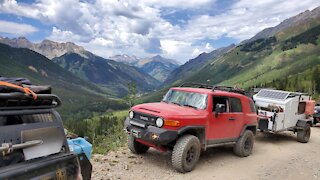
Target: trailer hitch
(7, 148)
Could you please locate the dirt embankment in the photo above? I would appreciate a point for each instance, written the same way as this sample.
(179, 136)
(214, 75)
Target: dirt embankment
(277, 156)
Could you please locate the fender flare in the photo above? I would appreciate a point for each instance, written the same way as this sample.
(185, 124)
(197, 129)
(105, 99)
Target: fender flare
(301, 123)
(200, 130)
(251, 127)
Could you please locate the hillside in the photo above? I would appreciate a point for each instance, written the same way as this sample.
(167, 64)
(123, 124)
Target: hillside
(265, 60)
(290, 27)
(74, 92)
(106, 73)
(194, 65)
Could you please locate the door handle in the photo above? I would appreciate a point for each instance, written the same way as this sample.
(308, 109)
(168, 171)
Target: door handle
(232, 119)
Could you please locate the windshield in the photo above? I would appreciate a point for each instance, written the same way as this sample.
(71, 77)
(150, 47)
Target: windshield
(189, 99)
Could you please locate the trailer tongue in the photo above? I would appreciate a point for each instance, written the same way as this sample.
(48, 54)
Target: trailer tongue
(285, 111)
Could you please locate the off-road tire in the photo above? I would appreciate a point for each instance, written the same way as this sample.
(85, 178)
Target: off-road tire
(303, 135)
(136, 147)
(244, 145)
(186, 153)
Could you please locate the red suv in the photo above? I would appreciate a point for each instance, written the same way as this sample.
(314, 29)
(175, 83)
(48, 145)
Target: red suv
(191, 118)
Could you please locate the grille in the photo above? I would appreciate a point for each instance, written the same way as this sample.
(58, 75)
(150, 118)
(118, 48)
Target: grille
(148, 119)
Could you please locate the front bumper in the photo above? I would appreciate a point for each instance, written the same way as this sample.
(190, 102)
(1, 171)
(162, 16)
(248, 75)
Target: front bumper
(152, 134)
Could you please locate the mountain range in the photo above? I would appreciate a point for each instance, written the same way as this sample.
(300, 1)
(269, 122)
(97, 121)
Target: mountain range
(194, 65)
(107, 73)
(156, 66)
(272, 55)
(48, 48)
(77, 95)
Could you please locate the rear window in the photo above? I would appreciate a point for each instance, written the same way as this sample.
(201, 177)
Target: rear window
(252, 106)
(236, 105)
(25, 119)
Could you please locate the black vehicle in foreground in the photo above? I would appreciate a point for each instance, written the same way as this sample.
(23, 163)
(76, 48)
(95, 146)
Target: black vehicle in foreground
(33, 144)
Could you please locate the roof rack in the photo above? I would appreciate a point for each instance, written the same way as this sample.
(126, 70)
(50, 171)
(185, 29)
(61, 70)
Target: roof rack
(197, 85)
(17, 101)
(230, 89)
(213, 88)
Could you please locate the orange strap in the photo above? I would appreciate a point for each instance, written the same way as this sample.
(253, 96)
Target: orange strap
(23, 89)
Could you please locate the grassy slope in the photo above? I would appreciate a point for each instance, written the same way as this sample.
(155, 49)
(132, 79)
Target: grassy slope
(249, 68)
(105, 130)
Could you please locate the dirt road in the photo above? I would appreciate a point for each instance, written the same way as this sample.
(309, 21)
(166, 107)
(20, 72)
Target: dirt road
(274, 157)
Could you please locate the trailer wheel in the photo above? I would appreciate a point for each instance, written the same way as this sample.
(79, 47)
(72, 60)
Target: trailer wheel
(186, 153)
(136, 147)
(303, 135)
(244, 145)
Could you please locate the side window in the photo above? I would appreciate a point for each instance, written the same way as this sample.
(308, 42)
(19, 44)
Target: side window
(221, 100)
(236, 105)
(252, 106)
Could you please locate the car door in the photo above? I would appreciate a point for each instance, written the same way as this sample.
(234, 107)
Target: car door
(237, 116)
(220, 126)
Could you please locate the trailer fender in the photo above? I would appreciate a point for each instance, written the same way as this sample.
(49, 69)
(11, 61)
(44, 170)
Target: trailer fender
(302, 123)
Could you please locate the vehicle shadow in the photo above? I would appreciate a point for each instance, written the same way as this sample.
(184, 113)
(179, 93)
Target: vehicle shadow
(276, 138)
(211, 155)
(218, 155)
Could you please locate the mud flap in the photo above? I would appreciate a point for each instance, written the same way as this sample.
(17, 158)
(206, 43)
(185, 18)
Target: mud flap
(86, 167)
(52, 139)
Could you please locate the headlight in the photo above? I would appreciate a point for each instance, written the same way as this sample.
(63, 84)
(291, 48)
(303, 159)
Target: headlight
(315, 111)
(159, 122)
(131, 114)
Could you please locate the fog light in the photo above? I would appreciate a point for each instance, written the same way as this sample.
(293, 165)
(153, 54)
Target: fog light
(154, 136)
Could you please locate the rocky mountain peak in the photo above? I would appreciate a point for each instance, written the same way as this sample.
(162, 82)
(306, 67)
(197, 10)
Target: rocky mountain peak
(48, 48)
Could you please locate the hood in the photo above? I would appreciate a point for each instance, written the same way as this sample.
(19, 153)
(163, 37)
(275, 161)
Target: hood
(167, 110)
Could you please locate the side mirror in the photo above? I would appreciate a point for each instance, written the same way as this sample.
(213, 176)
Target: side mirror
(219, 109)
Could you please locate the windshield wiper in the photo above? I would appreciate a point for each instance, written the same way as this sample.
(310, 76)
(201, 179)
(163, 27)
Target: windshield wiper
(188, 105)
(165, 101)
(176, 103)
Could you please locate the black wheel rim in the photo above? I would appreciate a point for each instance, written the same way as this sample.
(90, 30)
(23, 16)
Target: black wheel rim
(191, 153)
(247, 145)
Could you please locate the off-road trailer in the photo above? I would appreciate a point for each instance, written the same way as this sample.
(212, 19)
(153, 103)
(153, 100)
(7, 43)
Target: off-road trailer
(285, 111)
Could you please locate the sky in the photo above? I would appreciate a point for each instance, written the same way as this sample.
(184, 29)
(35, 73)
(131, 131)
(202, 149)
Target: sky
(176, 29)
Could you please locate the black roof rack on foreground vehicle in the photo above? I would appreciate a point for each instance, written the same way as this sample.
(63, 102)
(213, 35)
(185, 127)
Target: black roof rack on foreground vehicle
(17, 101)
(213, 88)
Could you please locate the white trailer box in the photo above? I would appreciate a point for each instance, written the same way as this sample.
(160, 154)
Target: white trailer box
(283, 110)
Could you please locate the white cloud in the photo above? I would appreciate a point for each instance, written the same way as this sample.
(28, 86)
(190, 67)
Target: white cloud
(175, 3)
(109, 27)
(16, 28)
(246, 18)
(62, 36)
